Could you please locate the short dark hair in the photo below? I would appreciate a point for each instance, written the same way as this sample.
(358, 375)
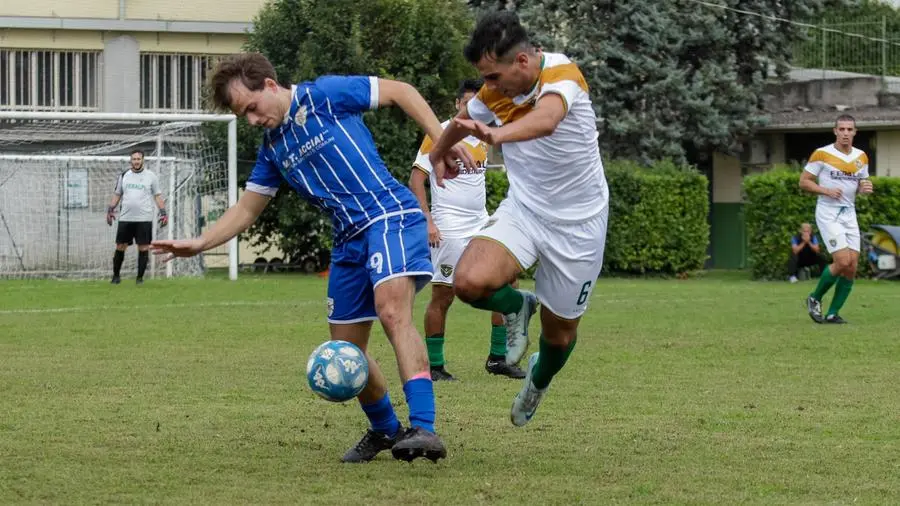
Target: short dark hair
(251, 68)
(497, 33)
(468, 86)
(140, 151)
(845, 117)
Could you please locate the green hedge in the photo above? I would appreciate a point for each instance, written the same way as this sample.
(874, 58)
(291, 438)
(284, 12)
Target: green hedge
(775, 208)
(658, 219)
(657, 222)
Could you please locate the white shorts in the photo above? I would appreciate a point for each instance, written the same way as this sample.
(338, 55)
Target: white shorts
(445, 257)
(838, 228)
(569, 255)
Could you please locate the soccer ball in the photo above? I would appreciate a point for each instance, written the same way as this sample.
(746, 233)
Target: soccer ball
(337, 371)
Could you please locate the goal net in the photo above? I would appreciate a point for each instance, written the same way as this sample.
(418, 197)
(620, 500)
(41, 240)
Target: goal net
(58, 172)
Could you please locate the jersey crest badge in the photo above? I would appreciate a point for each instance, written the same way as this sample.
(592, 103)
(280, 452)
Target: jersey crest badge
(300, 116)
(446, 270)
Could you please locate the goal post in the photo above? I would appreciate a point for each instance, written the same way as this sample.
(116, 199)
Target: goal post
(58, 171)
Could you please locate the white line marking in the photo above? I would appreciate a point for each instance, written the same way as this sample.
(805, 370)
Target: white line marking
(232, 303)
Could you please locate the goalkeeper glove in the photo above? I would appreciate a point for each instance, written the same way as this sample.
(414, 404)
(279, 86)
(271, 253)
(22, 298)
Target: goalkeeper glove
(163, 218)
(110, 215)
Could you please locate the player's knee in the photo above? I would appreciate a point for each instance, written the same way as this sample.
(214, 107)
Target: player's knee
(561, 338)
(844, 263)
(393, 316)
(467, 287)
(443, 297)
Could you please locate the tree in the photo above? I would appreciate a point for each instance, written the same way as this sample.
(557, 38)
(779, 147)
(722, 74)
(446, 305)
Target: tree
(417, 41)
(670, 78)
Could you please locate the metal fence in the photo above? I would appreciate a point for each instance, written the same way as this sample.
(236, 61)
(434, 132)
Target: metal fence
(870, 47)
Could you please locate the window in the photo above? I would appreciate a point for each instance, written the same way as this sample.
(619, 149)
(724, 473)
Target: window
(49, 80)
(173, 82)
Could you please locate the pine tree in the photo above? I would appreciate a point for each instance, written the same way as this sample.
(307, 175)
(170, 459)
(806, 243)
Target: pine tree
(674, 77)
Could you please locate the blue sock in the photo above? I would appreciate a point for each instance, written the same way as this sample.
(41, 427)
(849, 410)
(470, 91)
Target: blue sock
(382, 416)
(420, 399)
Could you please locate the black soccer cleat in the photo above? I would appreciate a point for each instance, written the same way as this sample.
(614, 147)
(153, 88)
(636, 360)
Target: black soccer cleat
(115, 280)
(139, 281)
(440, 374)
(833, 318)
(814, 308)
(417, 442)
(501, 368)
(370, 446)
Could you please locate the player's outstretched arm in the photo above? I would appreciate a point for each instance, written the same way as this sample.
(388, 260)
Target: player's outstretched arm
(442, 156)
(407, 97)
(540, 122)
(451, 136)
(235, 220)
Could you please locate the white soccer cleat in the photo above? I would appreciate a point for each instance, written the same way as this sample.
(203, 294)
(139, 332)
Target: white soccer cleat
(528, 399)
(517, 328)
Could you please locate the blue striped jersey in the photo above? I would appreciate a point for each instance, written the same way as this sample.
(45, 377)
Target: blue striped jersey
(325, 152)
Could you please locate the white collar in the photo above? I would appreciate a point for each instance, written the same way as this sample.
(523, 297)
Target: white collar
(287, 114)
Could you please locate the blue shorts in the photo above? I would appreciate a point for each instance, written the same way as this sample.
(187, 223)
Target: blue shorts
(389, 248)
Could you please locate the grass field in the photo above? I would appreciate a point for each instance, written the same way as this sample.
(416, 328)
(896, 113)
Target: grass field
(708, 391)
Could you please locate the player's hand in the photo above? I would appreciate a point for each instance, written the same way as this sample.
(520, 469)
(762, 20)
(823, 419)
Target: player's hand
(805, 236)
(460, 154)
(163, 218)
(478, 129)
(110, 215)
(176, 248)
(434, 234)
(834, 193)
(865, 186)
(442, 170)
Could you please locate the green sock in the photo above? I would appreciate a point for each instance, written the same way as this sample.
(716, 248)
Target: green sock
(435, 345)
(505, 300)
(841, 292)
(498, 341)
(550, 361)
(825, 281)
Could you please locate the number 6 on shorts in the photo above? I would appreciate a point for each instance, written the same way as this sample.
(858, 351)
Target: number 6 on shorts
(585, 293)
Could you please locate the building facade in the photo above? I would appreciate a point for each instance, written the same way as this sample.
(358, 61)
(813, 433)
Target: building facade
(115, 55)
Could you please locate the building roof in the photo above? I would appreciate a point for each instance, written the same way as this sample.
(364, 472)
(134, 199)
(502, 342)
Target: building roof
(822, 118)
(866, 118)
(803, 75)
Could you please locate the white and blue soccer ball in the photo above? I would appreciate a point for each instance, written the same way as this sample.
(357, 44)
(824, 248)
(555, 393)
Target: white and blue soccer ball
(337, 371)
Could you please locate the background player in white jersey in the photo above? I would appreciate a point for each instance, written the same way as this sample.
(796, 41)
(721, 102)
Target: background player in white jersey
(136, 189)
(836, 173)
(457, 213)
(557, 206)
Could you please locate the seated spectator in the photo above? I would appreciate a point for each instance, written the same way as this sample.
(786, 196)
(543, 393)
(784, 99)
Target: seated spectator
(805, 252)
